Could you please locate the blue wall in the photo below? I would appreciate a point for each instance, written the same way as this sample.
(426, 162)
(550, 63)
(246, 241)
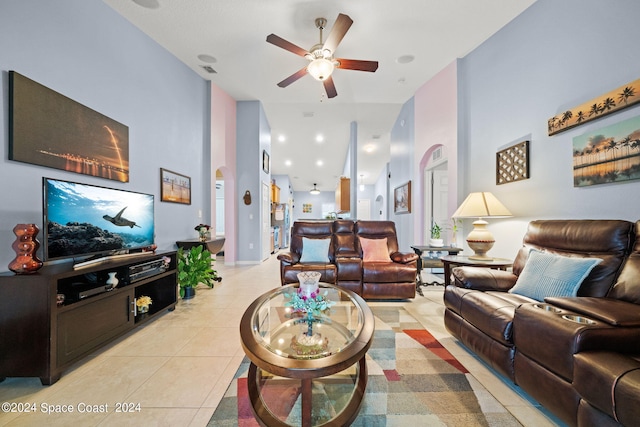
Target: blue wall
(86, 51)
(253, 135)
(553, 57)
(401, 171)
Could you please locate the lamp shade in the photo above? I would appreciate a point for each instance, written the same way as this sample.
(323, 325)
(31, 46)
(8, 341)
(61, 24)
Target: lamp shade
(314, 190)
(481, 205)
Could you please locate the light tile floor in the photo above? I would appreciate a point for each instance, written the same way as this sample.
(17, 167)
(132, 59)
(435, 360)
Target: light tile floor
(174, 370)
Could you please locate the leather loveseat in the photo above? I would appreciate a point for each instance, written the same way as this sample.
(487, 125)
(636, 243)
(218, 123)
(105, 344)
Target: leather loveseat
(345, 263)
(567, 352)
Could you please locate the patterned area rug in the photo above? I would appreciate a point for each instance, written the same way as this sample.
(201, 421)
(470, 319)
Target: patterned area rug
(413, 381)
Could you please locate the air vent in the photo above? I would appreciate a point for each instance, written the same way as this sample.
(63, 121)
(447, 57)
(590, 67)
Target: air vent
(307, 114)
(437, 153)
(209, 69)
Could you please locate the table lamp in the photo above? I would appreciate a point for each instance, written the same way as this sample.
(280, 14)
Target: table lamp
(481, 205)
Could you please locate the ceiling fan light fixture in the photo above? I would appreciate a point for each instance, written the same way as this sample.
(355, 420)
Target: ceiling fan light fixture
(314, 190)
(320, 68)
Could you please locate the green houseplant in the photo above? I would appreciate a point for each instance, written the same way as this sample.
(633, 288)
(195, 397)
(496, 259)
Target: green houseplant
(436, 236)
(194, 267)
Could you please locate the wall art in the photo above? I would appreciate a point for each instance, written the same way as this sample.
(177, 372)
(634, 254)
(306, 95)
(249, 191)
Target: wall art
(307, 207)
(49, 129)
(616, 100)
(512, 163)
(402, 199)
(609, 154)
(174, 187)
(265, 161)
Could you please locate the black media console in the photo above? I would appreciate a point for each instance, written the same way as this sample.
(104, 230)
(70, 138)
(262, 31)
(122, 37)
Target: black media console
(41, 337)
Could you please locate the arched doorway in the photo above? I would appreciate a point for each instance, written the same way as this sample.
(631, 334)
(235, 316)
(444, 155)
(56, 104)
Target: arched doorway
(435, 185)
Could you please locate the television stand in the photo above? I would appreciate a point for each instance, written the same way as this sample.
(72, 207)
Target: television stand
(46, 326)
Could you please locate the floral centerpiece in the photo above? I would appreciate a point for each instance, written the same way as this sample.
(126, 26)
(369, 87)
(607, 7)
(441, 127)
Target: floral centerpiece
(203, 231)
(310, 306)
(143, 302)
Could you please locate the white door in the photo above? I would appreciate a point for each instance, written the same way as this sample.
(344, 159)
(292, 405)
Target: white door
(266, 221)
(364, 209)
(436, 194)
(440, 190)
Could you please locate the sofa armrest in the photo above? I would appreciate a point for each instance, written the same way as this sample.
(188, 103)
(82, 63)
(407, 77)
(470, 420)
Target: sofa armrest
(404, 257)
(611, 311)
(289, 257)
(483, 279)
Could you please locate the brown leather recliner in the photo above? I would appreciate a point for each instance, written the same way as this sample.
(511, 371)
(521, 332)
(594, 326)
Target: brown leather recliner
(290, 264)
(535, 344)
(371, 280)
(386, 280)
(609, 384)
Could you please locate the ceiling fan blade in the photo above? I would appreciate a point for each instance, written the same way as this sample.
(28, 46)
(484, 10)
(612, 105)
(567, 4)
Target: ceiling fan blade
(339, 29)
(329, 87)
(280, 42)
(356, 64)
(293, 77)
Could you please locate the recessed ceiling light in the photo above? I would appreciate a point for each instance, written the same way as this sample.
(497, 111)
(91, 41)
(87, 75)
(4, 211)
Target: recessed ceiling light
(207, 58)
(369, 148)
(319, 138)
(287, 162)
(149, 4)
(405, 59)
(319, 162)
(281, 138)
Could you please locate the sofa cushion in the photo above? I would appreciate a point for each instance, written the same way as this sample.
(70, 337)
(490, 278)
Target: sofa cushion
(375, 250)
(315, 250)
(549, 275)
(610, 382)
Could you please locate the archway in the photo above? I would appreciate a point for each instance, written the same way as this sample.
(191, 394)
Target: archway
(434, 194)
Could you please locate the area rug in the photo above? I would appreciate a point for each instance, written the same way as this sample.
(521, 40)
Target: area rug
(413, 381)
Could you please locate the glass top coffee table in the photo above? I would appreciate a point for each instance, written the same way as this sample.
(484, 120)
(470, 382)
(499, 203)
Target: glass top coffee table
(302, 372)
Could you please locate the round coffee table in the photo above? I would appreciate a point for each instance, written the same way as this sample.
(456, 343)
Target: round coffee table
(289, 384)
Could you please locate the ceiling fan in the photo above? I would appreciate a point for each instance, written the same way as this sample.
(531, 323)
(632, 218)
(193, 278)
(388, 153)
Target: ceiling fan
(321, 55)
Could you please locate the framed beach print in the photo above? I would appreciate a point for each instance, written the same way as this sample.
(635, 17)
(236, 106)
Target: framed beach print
(402, 199)
(174, 187)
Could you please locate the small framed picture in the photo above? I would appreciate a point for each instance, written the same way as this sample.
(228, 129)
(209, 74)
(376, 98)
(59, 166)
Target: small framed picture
(174, 187)
(265, 161)
(402, 199)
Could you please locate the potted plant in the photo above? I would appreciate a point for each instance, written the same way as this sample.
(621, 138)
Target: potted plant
(194, 267)
(436, 236)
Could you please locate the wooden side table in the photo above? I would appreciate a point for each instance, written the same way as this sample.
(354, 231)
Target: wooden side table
(213, 245)
(459, 260)
(432, 261)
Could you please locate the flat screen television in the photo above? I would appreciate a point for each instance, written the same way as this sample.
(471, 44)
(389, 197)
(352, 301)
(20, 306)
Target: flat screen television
(82, 220)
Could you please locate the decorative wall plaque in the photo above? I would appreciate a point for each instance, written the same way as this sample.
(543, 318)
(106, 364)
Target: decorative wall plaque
(512, 163)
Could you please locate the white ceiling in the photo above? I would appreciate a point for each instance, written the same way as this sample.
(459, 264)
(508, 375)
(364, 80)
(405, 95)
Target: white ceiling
(234, 32)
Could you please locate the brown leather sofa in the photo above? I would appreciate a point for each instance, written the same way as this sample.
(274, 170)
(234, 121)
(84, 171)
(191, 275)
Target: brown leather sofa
(539, 345)
(345, 266)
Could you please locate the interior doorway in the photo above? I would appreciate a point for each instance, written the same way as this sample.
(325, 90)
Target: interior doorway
(364, 209)
(436, 199)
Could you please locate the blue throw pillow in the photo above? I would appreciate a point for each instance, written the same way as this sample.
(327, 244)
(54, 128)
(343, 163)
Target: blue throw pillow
(547, 275)
(315, 250)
